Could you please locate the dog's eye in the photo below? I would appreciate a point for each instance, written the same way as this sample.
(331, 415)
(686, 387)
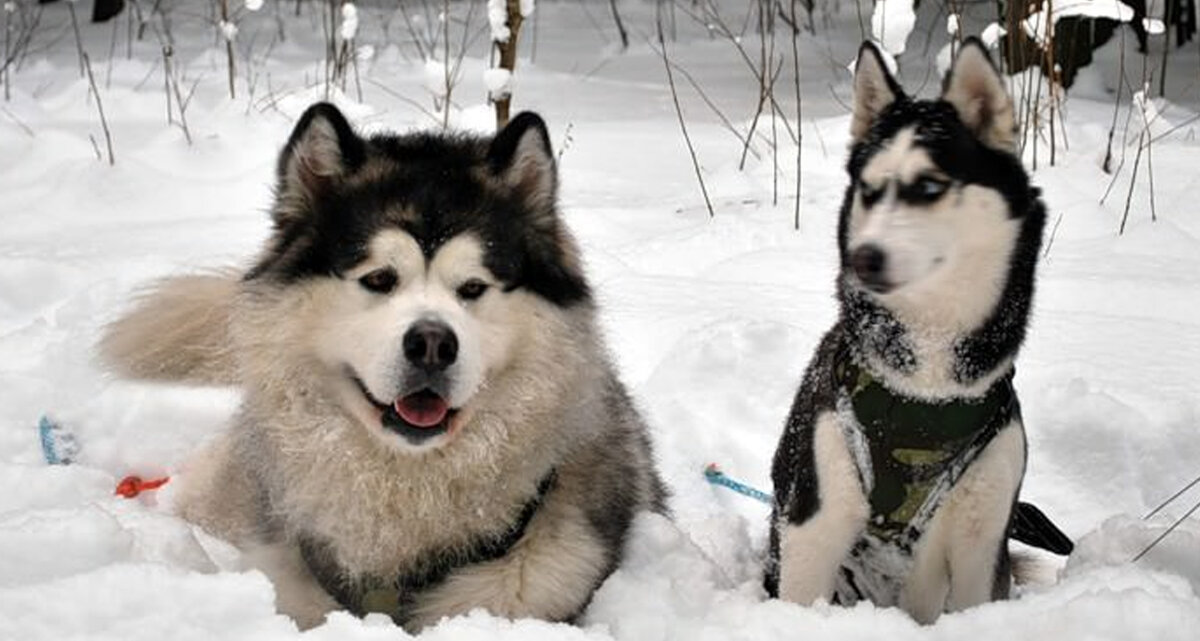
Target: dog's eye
(870, 195)
(472, 289)
(380, 281)
(930, 189)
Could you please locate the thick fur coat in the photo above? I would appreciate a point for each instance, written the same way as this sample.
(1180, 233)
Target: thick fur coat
(431, 423)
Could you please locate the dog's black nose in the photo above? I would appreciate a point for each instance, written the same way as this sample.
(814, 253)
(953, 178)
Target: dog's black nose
(870, 265)
(430, 345)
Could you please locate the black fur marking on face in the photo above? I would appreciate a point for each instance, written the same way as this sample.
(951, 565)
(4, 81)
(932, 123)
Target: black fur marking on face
(435, 187)
(925, 190)
(964, 160)
(870, 195)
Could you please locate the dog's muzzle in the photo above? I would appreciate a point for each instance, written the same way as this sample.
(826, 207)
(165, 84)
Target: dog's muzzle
(870, 266)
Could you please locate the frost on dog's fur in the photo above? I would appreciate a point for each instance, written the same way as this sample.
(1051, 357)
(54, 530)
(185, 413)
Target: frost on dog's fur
(938, 237)
(317, 479)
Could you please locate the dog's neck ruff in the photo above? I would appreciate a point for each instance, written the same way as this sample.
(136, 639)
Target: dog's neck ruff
(395, 597)
(912, 451)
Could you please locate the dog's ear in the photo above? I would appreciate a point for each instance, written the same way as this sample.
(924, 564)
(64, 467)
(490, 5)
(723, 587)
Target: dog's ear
(521, 158)
(322, 149)
(874, 90)
(976, 91)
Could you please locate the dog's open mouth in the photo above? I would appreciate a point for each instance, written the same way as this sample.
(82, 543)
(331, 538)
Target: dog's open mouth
(417, 417)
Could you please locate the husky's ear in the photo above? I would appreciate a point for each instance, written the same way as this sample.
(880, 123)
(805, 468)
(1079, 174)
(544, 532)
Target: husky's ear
(874, 90)
(976, 91)
(323, 148)
(520, 156)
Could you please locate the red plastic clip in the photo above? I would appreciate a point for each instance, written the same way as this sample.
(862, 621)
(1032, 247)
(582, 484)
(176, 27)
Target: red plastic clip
(131, 486)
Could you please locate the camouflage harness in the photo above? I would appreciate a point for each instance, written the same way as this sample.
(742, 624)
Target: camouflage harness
(909, 454)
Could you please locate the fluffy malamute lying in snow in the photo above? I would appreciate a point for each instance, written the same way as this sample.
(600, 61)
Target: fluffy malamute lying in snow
(430, 423)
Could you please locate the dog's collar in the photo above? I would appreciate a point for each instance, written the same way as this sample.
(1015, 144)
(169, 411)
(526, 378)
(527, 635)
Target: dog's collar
(918, 448)
(395, 598)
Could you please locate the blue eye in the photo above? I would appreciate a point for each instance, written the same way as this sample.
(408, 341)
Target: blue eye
(931, 189)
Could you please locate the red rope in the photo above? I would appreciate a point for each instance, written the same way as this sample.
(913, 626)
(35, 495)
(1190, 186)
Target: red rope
(131, 486)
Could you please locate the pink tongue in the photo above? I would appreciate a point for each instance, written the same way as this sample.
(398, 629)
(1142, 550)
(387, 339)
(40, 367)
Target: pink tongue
(422, 410)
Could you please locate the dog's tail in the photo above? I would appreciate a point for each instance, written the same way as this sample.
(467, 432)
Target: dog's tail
(1032, 527)
(176, 331)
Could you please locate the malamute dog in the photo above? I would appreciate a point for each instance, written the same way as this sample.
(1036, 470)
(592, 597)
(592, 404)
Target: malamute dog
(430, 422)
(899, 466)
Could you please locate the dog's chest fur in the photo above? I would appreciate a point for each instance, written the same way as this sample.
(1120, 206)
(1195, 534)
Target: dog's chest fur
(391, 512)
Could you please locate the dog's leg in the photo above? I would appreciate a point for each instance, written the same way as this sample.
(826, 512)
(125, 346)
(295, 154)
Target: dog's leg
(812, 551)
(297, 593)
(550, 574)
(923, 596)
(978, 509)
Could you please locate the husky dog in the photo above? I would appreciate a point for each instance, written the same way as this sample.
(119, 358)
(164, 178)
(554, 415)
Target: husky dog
(430, 423)
(898, 469)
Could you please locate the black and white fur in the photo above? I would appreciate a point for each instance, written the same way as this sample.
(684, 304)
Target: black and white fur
(939, 236)
(427, 276)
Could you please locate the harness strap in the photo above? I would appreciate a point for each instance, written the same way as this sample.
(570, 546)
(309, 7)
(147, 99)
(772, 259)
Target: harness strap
(394, 597)
(917, 449)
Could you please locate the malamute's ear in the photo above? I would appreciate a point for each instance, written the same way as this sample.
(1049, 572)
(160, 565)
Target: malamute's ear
(520, 156)
(976, 91)
(874, 90)
(323, 147)
(521, 159)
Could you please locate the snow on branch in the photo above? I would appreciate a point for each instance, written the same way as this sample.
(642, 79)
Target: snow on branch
(891, 23)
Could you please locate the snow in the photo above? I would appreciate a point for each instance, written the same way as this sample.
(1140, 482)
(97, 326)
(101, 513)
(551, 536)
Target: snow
(1035, 24)
(498, 81)
(497, 12)
(711, 323)
(992, 34)
(253, 5)
(349, 21)
(228, 29)
(891, 23)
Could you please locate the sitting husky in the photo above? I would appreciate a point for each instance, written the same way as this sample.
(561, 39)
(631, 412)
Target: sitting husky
(898, 469)
(430, 422)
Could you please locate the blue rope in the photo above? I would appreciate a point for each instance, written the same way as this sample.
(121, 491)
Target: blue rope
(717, 477)
(58, 445)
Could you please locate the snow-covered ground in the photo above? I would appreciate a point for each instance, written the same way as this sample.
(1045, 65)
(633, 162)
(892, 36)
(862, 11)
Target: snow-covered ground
(712, 321)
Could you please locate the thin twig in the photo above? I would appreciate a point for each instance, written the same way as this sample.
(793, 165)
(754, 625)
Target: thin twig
(679, 114)
(17, 121)
(228, 46)
(712, 106)
(1168, 531)
(1053, 233)
(799, 112)
(87, 64)
(620, 26)
(1132, 181)
(78, 38)
(1171, 499)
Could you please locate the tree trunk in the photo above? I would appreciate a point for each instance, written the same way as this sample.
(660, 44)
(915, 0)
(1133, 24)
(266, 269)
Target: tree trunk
(508, 60)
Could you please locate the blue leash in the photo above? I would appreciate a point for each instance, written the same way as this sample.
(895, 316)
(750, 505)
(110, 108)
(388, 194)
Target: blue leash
(715, 476)
(59, 446)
